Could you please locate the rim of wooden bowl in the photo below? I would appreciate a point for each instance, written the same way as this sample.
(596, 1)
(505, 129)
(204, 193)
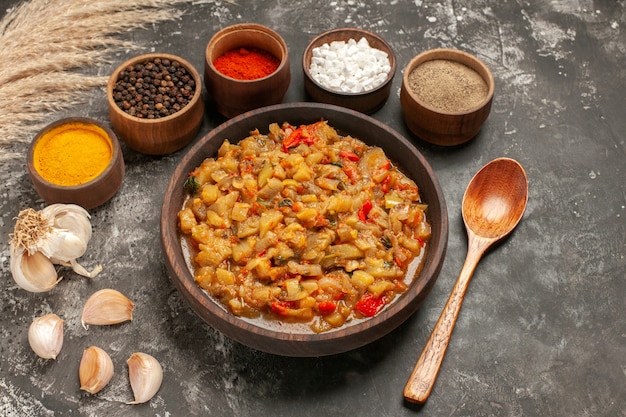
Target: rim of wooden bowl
(288, 342)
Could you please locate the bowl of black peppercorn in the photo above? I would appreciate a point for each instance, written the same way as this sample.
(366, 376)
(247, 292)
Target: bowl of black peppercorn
(155, 103)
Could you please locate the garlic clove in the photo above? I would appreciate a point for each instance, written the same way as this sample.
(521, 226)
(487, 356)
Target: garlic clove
(60, 233)
(63, 246)
(70, 217)
(34, 273)
(80, 270)
(45, 336)
(68, 234)
(95, 369)
(107, 306)
(145, 374)
(66, 259)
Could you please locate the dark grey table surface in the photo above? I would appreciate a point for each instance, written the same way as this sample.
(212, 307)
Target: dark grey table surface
(542, 331)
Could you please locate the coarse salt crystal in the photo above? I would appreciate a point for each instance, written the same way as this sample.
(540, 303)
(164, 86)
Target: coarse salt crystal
(349, 66)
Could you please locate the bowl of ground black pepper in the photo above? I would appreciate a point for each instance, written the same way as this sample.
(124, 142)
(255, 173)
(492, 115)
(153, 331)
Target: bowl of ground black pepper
(76, 160)
(155, 103)
(446, 96)
(349, 67)
(246, 67)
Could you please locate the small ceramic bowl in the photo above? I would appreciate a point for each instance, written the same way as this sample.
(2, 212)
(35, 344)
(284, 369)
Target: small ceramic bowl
(366, 102)
(163, 135)
(232, 96)
(441, 111)
(85, 141)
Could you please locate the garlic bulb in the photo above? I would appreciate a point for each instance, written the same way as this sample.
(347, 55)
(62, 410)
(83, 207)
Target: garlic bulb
(45, 336)
(145, 374)
(58, 234)
(107, 306)
(95, 370)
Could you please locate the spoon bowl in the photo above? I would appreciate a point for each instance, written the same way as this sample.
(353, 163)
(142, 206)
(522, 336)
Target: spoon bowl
(495, 199)
(493, 204)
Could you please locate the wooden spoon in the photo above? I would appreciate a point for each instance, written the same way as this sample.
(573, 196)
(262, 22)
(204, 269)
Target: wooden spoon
(493, 205)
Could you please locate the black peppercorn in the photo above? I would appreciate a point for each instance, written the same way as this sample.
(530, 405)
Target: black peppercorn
(154, 89)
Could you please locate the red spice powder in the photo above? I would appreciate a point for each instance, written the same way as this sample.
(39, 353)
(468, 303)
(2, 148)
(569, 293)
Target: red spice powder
(246, 63)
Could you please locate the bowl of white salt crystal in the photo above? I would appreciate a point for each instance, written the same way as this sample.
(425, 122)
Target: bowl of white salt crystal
(349, 67)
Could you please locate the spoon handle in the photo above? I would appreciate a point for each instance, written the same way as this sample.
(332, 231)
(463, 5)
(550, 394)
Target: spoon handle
(426, 369)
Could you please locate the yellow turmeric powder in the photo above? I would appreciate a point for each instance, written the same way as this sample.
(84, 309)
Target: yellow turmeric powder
(72, 153)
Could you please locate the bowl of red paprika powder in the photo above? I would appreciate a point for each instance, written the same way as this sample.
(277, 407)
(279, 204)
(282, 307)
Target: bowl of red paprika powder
(246, 67)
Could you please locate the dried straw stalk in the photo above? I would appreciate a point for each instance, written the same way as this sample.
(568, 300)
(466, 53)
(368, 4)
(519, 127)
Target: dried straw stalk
(48, 48)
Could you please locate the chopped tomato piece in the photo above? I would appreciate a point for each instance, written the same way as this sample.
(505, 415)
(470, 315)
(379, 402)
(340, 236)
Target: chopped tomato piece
(281, 307)
(326, 307)
(339, 296)
(303, 134)
(350, 156)
(292, 140)
(369, 305)
(351, 170)
(385, 184)
(364, 210)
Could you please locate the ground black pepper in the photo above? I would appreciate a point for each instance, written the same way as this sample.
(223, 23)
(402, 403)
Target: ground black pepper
(154, 89)
(448, 85)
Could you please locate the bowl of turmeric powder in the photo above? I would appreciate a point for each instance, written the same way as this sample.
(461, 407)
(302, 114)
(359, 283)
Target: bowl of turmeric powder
(246, 67)
(76, 160)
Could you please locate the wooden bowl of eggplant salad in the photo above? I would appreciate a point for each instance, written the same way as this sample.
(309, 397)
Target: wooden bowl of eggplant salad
(304, 229)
